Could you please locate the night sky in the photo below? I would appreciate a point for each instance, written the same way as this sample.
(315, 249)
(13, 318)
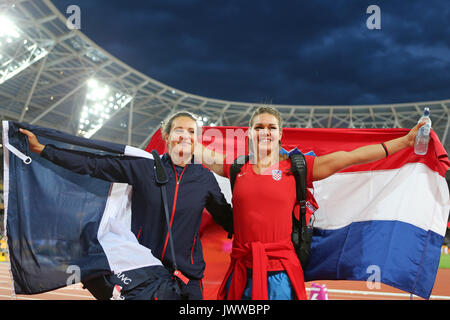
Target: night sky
(282, 52)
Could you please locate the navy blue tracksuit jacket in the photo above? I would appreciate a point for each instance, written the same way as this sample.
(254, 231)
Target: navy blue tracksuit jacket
(189, 191)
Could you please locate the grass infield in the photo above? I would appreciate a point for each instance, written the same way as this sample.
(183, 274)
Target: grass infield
(445, 261)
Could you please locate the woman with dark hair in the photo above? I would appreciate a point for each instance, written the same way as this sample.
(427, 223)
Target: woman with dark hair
(264, 264)
(190, 189)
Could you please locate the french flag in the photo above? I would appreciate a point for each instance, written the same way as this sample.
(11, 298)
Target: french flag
(63, 228)
(383, 221)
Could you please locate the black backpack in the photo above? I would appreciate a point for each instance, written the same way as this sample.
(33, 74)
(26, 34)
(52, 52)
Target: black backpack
(301, 233)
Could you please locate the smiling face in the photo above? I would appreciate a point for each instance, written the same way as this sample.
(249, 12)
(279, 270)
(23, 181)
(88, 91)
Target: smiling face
(181, 139)
(265, 134)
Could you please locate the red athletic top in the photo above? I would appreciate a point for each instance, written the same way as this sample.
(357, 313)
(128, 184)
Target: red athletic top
(262, 204)
(262, 213)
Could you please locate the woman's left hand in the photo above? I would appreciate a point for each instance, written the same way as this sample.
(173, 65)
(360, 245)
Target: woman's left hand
(411, 136)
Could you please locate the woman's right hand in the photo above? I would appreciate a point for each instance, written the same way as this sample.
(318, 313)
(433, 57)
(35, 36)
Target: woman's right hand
(35, 146)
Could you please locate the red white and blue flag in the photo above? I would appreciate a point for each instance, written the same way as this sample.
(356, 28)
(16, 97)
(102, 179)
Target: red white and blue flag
(383, 221)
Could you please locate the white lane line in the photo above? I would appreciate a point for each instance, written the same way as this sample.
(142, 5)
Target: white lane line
(16, 298)
(375, 293)
(60, 294)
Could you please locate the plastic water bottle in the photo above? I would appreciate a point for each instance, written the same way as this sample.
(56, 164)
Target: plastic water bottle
(423, 136)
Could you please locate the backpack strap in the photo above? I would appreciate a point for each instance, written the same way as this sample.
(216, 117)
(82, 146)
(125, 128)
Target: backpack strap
(301, 237)
(234, 170)
(298, 168)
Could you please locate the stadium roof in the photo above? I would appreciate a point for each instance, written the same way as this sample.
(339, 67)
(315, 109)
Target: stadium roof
(56, 77)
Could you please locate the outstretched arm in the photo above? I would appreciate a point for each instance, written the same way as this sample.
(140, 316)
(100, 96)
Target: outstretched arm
(109, 168)
(212, 160)
(326, 165)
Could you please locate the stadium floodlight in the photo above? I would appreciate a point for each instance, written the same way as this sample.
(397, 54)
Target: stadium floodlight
(17, 52)
(205, 121)
(101, 103)
(7, 28)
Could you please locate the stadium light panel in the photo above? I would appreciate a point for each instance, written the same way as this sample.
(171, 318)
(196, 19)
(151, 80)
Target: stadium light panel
(16, 51)
(205, 121)
(101, 103)
(8, 29)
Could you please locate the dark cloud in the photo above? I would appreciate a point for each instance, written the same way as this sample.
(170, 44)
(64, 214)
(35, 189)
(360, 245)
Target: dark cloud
(288, 52)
